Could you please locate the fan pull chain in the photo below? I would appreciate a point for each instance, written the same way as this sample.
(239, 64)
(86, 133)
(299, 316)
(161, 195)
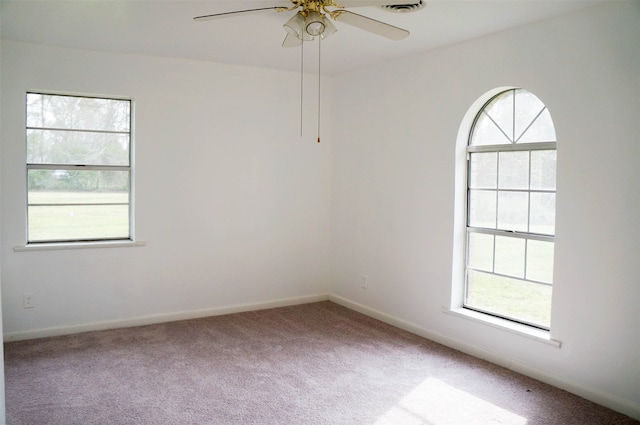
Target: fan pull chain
(301, 83)
(319, 50)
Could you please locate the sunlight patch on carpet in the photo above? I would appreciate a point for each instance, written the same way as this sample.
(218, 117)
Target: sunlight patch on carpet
(434, 402)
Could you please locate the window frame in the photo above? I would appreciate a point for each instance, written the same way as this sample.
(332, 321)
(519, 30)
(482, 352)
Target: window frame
(74, 242)
(514, 146)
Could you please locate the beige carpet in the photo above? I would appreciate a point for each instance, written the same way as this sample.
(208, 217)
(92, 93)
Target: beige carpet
(312, 364)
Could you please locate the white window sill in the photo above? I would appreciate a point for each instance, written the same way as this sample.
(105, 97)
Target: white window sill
(77, 245)
(506, 325)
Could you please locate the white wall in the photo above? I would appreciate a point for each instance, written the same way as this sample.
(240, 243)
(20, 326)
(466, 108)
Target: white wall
(394, 193)
(233, 204)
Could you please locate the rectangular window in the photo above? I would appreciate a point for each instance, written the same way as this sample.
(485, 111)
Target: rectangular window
(510, 233)
(78, 168)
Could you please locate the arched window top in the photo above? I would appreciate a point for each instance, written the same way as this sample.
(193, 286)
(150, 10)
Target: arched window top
(512, 116)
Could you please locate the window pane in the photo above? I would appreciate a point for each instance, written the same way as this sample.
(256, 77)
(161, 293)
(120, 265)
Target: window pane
(500, 110)
(514, 170)
(543, 170)
(58, 198)
(485, 132)
(528, 106)
(510, 256)
(77, 148)
(540, 261)
(92, 181)
(72, 112)
(481, 251)
(511, 298)
(483, 170)
(78, 222)
(513, 211)
(542, 130)
(543, 213)
(482, 208)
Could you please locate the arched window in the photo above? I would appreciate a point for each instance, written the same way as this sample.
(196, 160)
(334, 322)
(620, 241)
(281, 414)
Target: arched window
(510, 220)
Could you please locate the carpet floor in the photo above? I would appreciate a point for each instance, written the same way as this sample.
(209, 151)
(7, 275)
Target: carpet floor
(316, 363)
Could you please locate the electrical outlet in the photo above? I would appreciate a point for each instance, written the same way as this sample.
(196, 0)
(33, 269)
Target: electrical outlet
(27, 301)
(364, 282)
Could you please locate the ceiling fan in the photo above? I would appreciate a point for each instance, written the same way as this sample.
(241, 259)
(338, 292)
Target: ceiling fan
(313, 18)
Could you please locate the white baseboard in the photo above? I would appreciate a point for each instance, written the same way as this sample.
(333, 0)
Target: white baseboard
(611, 401)
(161, 318)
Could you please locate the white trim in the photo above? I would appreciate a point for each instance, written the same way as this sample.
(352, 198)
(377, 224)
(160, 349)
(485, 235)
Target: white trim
(619, 404)
(505, 325)
(77, 245)
(78, 94)
(161, 318)
(532, 146)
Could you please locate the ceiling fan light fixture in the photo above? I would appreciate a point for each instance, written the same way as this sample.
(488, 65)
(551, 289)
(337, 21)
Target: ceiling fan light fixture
(307, 27)
(329, 28)
(295, 26)
(315, 24)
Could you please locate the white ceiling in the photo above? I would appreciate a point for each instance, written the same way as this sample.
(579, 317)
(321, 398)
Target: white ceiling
(166, 28)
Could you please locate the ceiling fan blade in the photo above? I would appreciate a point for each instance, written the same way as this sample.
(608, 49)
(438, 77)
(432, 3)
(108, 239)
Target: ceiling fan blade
(362, 3)
(372, 25)
(237, 12)
(291, 41)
